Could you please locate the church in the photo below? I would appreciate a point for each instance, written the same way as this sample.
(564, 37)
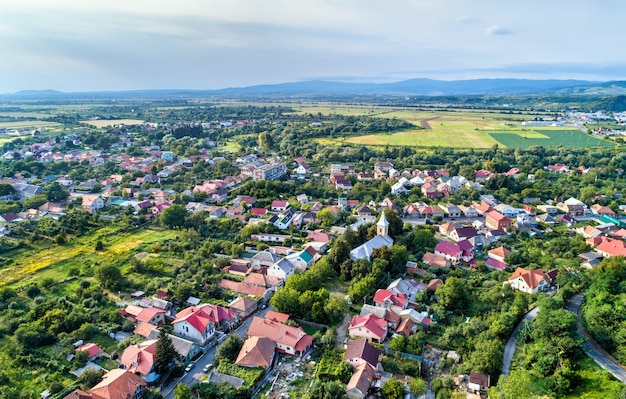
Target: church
(381, 239)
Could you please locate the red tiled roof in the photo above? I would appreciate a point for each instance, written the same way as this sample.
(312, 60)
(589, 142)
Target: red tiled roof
(117, 384)
(532, 278)
(276, 316)
(90, 348)
(293, 337)
(140, 358)
(256, 352)
(371, 322)
(497, 216)
(200, 316)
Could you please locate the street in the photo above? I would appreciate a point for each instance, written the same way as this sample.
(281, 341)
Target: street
(591, 348)
(195, 375)
(509, 349)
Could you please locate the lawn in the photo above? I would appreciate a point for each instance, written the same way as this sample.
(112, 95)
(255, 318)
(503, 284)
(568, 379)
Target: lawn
(56, 261)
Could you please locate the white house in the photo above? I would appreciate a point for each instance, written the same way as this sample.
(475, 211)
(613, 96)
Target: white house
(281, 269)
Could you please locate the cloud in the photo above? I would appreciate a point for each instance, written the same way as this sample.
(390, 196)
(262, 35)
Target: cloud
(497, 30)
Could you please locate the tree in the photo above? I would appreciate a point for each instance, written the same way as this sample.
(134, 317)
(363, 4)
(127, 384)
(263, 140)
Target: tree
(487, 356)
(393, 389)
(398, 343)
(229, 349)
(89, 378)
(287, 300)
(182, 391)
(454, 294)
(326, 390)
(339, 253)
(109, 276)
(361, 288)
(418, 387)
(55, 192)
(174, 216)
(326, 217)
(165, 353)
(518, 385)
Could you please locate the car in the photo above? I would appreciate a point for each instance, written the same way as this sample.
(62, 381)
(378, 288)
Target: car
(207, 367)
(264, 306)
(189, 367)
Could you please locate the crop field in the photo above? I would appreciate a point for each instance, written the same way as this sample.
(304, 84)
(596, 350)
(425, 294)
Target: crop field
(113, 122)
(27, 124)
(549, 137)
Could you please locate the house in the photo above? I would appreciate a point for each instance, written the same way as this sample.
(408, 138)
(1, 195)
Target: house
(462, 233)
(243, 306)
(529, 281)
(469, 211)
(256, 352)
(93, 351)
(611, 247)
(434, 260)
(288, 339)
(451, 210)
(92, 203)
(409, 288)
(382, 239)
(186, 349)
(370, 326)
(119, 383)
(478, 382)
(279, 205)
(390, 300)
(219, 378)
(360, 382)
(139, 314)
(497, 221)
(140, 359)
(407, 327)
(600, 210)
(263, 280)
(451, 252)
(264, 259)
(199, 323)
(302, 260)
(496, 258)
(360, 351)
(255, 291)
(281, 269)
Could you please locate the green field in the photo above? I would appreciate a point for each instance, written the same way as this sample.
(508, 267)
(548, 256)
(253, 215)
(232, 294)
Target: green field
(56, 261)
(27, 124)
(549, 137)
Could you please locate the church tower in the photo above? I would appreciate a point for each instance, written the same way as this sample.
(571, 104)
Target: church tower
(382, 227)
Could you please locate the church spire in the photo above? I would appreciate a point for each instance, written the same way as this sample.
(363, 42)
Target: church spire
(382, 227)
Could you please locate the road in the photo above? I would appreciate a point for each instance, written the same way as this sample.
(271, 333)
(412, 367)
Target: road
(591, 348)
(509, 349)
(195, 375)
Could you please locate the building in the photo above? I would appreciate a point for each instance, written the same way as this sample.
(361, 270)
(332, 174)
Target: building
(497, 221)
(271, 171)
(529, 281)
(199, 323)
(256, 352)
(360, 351)
(118, 384)
(140, 359)
(370, 327)
(288, 339)
(381, 239)
(360, 382)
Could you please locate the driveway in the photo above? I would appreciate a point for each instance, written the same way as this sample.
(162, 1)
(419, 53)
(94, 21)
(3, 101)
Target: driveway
(509, 349)
(591, 347)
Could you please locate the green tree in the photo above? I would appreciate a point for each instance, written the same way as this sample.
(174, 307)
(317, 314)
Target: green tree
(182, 391)
(89, 378)
(327, 390)
(326, 217)
(418, 387)
(165, 353)
(393, 389)
(287, 300)
(487, 356)
(174, 216)
(109, 276)
(360, 289)
(518, 385)
(229, 349)
(55, 192)
(454, 294)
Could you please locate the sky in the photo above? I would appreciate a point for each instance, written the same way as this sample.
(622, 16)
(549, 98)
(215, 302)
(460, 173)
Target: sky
(90, 45)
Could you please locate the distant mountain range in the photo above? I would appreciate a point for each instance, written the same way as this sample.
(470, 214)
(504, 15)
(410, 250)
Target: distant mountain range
(412, 87)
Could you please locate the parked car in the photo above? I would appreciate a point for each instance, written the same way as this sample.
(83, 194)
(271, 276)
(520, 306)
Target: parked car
(207, 367)
(189, 367)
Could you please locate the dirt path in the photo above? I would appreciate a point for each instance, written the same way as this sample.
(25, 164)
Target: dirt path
(342, 330)
(425, 123)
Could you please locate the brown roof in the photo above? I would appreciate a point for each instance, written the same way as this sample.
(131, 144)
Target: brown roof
(256, 352)
(293, 337)
(362, 378)
(484, 380)
(261, 280)
(276, 316)
(433, 284)
(500, 252)
(406, 327)
(78, 394)
(246, 289)
(144, 329)
(361, 349)
(117, 384)
(243, 304)
(532, 278)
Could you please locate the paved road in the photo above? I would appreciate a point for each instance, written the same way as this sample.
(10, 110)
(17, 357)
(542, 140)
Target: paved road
(591, 348)
(509, 349)
(196, 375)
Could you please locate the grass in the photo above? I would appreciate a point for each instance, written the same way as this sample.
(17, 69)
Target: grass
(27, 124)
(32, 264)
(549, 137)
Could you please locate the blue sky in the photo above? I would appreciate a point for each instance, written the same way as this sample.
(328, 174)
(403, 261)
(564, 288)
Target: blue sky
(78, 45)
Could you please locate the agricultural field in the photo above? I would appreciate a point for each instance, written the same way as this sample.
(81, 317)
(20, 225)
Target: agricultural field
(549, 137)
(28, 125)
(113, 122)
